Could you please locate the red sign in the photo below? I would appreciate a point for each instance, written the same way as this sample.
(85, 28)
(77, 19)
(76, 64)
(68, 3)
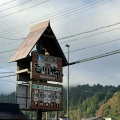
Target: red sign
(46, 96)
(45, 67)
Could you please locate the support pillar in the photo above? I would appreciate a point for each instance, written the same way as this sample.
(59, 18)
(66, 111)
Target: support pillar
(39, 114)
(56, 115)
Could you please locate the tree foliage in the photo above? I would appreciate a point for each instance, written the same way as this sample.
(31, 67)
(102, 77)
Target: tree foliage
(85, 100)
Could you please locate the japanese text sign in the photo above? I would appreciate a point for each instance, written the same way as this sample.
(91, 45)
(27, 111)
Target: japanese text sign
(46, 67)
(46, 96)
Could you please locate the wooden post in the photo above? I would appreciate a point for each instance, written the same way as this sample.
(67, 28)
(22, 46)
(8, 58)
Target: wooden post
(56, 115)
(39, 114)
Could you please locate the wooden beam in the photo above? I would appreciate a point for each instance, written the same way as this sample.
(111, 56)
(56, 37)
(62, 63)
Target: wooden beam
(22, 71)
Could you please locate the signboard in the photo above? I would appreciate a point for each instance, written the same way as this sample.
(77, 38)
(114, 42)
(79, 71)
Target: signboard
(46, 96)
(45, 67)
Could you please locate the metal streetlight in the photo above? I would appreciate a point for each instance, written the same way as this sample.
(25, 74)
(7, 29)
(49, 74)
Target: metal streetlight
(68, 85)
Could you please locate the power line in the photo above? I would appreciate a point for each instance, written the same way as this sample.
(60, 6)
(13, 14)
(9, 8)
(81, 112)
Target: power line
(10, 27)
(83, 38)
(10, 43)
(80, 33)
(6, 72)
(62, 12)
(93, 45)
(84, 60)
(6, 66)
(116, 23)
(96, 57)
(8, 51)
(76, 40)
(19, 11)
(73, 40)
(15, 6)
(7, 81)
(7, 2)
(7, 76)
(74, 12)
(11, 38)
(4, 57)
(93, 58)
(111, 25)
(96, 29)
(88, 31)
(75, 49)
(24, 9)
(100, 72)
(52, 15)
(70, 51)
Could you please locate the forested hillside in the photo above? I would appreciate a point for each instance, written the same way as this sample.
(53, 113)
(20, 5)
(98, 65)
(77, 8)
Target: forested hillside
(111, 108)
(86, 101)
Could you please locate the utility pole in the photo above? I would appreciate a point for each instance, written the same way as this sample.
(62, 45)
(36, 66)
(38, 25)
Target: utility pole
(68, 85)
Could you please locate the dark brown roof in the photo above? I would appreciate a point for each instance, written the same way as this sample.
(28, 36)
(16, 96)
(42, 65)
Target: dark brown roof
(11, 112)
(44, 33)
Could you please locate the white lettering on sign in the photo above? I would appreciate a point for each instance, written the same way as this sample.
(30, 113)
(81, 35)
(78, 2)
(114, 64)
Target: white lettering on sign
(46, 59)
(50, 95)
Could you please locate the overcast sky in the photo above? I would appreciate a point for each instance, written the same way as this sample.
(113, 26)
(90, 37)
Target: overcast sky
(67, 18)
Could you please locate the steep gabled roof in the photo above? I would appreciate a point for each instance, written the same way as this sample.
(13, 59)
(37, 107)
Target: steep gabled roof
(44, 33)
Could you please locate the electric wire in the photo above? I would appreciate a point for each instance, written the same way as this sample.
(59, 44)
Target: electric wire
(86, 59)
(111, 25)
(8, 51)
(7, 76)
(52, 16)
(96, 57)
(10, 28)
(89, 31)
(7, 81)
(11, 38)
(93, 46)
(15, 6)
(93, 30)
(75, 12)
(80, 34)
(99, 56)
(10, 43)
(6, 66)
(6, 72)
(73, 40)
(7, 2)
(100, 28)
(5, 57)
(24, 9)
(100, 72)
(103, 43)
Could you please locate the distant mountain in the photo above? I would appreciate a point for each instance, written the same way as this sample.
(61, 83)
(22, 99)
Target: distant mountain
(7, 98)
(111, 108)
